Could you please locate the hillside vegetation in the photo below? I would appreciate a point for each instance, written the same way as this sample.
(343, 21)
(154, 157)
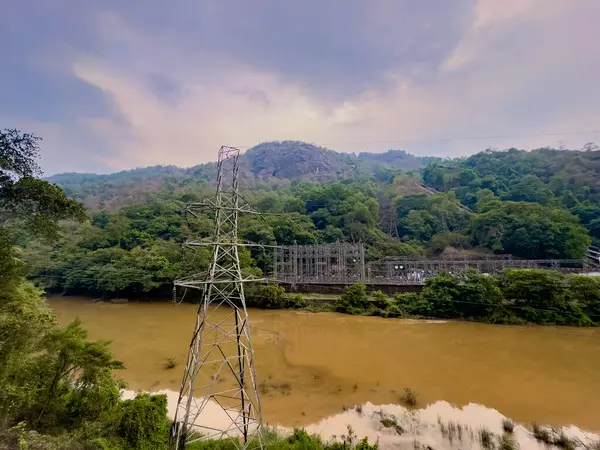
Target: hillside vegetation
(563, 179)
(540, 204)
(269, 163)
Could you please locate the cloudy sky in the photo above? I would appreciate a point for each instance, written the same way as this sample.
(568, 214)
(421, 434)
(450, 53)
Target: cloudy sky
(116, 84)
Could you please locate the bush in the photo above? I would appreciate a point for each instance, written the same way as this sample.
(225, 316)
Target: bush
(440, 241)
(486, 438)
(507, 442)
(298, 302)
(541, 434)
(508, 425)
(364, 445)
(170, 363)
(380, 300)
(268, 297)
(143, 422)
(354, 300)
(412, 304)
(410, 397)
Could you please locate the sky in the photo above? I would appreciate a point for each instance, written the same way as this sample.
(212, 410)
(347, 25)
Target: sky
(111, 85)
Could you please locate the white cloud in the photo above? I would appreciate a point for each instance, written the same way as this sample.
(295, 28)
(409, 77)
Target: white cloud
(515, 54)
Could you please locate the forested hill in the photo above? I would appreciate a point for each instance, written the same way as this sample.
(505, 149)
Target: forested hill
(270, 162)
(564, 179)
(543, 204)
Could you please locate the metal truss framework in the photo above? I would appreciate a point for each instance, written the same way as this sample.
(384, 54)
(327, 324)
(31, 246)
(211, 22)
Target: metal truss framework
(219, 378)
(407, 272)
(329, 263)
(345, 264)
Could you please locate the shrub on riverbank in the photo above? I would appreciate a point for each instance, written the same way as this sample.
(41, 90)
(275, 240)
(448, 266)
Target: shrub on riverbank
(513, 296)
(516, 296)
(354, 300)
(267, 297)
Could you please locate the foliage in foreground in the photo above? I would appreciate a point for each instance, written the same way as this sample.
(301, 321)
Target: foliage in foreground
(57, 389)
(57, 383)
(299, 439)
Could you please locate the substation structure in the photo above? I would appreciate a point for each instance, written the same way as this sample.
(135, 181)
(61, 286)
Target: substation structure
(344, 264)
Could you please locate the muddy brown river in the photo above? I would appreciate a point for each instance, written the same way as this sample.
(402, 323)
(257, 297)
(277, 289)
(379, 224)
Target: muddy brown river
(545, 375)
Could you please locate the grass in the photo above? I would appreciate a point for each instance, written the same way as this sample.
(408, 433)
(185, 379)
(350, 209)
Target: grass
(451, 430)
(486, 438)
(564, 442)
(298, 439)
(170, 363)
(507, 442)
(392, 422)
(508, 425)
(267, 387)
(541, 434)
(410, 397)
(552, 437)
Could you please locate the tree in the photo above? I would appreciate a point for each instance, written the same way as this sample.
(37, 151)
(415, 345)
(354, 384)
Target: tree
(52, 379)
(530, 189)
(441, 292)
(465, 295)
(27, 204)
(585, 291)
(529, 230)
(541, 296)
(25, 200)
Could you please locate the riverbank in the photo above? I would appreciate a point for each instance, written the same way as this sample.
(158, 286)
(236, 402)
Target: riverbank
(437, 426)
(522, 296)
(327, 360)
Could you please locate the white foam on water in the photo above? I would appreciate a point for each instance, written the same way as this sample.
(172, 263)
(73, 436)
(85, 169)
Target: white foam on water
(418, 425)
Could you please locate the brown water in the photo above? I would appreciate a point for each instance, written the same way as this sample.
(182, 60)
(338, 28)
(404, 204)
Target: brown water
(532, 374)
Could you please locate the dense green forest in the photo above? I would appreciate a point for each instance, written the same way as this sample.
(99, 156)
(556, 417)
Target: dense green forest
(543, 204)
(556, 179)
(266, 166)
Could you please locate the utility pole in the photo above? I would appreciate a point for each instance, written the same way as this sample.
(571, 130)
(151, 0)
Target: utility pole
(219, 377)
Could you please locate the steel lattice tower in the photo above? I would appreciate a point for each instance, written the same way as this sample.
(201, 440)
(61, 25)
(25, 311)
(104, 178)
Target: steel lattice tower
(220, 371)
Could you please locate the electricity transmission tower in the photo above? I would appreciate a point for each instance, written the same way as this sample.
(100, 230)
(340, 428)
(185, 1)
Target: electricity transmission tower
(219, 381)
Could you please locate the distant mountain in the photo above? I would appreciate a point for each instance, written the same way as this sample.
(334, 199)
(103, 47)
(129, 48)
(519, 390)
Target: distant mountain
(269, 162)
(396, 158)
(293, 160)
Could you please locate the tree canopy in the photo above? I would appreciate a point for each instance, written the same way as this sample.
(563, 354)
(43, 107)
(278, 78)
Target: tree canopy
(25, 200)
(531, 205)
(57, 389)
